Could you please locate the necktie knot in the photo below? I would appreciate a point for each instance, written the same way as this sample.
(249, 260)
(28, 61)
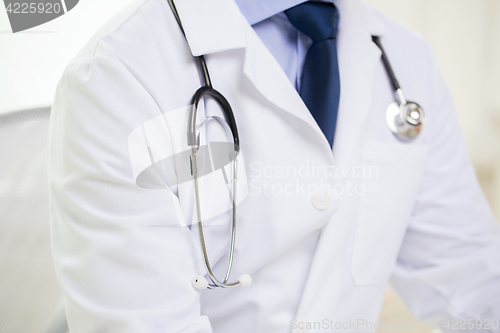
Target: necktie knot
(318, 20)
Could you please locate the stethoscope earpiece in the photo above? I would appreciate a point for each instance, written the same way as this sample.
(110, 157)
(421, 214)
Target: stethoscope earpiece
(245, 280)
(199, 282)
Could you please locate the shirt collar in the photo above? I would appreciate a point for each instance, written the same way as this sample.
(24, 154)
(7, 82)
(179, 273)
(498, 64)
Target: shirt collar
(256, 11)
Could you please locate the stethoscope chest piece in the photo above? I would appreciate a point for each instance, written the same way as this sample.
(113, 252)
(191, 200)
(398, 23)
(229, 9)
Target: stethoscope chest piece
(405, 119)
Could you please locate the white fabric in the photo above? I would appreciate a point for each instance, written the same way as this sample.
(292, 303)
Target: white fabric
(422, 218)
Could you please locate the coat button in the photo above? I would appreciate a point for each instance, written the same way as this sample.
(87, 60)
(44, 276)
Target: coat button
(321, 201)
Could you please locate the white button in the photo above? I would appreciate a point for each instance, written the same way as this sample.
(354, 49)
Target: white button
(321, 201)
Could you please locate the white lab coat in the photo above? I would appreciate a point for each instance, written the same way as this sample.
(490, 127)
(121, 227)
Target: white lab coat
(123, 254)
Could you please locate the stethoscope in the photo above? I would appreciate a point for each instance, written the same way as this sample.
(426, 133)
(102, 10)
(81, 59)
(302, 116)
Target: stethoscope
(405, 119)
(206, 90)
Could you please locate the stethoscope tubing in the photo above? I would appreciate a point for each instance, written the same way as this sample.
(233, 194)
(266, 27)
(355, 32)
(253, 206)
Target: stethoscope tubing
(215, 282)
(207, 90)
(387, 64)
(225, 107)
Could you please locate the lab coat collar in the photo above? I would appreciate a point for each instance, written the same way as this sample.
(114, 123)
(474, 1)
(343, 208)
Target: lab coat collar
(212, 26)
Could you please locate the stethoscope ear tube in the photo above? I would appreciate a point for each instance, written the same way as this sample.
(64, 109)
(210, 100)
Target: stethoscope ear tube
(226, 109)
(206, 90)
(387, 65)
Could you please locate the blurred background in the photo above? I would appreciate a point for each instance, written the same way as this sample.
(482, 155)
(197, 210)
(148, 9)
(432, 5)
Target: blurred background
(465, 37)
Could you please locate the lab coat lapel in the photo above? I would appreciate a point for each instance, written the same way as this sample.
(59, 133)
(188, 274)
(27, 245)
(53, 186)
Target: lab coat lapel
(358, 56)
(262, 69)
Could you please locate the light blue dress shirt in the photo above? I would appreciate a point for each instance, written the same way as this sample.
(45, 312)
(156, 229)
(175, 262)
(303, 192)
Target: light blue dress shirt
(287, 45)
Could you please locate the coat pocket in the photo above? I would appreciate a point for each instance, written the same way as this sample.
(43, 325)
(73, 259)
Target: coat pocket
(385, 207)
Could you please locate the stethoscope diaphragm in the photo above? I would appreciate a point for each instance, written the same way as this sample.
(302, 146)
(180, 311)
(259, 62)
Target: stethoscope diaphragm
(405, 120)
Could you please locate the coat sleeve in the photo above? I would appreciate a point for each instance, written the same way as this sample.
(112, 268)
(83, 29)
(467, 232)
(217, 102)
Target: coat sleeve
(449, 263)
(122, 260)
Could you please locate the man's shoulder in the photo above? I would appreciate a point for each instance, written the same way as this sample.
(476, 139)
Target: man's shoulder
(393, 31)
(135, 28)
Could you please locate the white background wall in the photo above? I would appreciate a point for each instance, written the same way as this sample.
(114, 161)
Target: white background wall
(32, 61)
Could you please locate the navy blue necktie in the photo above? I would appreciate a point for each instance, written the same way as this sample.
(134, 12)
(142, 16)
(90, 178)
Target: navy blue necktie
(320, 82)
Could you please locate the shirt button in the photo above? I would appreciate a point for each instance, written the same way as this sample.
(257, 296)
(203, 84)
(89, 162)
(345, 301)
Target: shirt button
(321, 201)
